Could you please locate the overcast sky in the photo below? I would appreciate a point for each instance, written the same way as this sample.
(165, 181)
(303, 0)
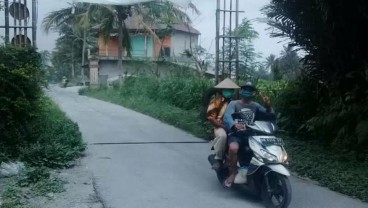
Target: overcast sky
(205, 23)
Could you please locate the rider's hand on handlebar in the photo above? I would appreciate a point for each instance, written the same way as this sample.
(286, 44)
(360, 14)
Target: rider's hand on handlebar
(266, 101)
(240, 127)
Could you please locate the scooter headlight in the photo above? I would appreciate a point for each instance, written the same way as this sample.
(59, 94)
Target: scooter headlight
(284, 157)
(268, 156)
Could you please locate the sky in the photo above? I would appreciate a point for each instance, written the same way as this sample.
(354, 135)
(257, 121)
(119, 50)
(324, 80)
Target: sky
(205, 23)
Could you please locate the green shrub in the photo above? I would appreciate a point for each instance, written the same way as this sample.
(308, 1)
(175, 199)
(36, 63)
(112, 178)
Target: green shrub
(331, 96)
(33, 175)
(41, 181)
(21, 81)
(12, 196)
(82, 91)
(38, 180)
(296, 103)
(55, 140)
(309, 110)
(182, 91)
(49, 185)
(339, 172)
(4, 155)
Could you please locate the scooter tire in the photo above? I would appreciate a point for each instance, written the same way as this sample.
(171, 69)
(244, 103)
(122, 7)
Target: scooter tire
(267, 197)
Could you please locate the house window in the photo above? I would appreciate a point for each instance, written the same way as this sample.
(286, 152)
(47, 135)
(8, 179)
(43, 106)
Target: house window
(166, 52)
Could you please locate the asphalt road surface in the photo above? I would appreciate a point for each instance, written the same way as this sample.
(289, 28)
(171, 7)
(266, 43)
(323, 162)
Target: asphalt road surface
(140, 162)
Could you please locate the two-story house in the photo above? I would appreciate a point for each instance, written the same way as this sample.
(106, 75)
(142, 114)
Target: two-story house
(172, 43)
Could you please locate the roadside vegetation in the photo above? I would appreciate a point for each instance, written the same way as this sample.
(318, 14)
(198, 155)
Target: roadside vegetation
(33, 129)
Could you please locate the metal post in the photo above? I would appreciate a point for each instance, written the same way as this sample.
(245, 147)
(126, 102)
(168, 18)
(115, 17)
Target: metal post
(229, 33)
(237, 42)
(84, 53)
(145, 45)
(15, 24)
(217, 67)
(20, 22)
(25, 23)
(73, 67)
(34, 23)
(223, 40)
(230, 39)
(6, 5)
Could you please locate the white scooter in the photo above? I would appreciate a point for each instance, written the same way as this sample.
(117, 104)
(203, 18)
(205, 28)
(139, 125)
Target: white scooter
(266, 176)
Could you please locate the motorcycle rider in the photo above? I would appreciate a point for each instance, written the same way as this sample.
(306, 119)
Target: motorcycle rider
(239, 138)
(215, 112)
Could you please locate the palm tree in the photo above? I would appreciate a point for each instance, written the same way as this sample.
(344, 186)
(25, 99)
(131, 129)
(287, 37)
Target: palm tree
(270, 61)
(73, 17)
(45, 57)
(290, 61)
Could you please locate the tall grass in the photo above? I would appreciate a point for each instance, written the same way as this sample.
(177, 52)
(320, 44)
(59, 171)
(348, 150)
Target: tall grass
(184, 92)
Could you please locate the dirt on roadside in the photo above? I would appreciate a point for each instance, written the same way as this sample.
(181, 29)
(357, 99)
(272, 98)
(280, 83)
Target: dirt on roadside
(79, 191)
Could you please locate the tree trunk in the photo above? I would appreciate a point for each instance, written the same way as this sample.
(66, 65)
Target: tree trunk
(73, 71)
(83, 54)
(73, 68)
(199, 67)
(120, 42)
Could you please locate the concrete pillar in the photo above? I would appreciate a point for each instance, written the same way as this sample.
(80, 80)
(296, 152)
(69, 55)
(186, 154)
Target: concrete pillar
(93, 67)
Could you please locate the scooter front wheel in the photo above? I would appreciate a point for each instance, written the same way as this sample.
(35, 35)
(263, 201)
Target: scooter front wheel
(276, 191)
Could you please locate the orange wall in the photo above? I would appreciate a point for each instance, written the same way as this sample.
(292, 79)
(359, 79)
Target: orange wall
(110, 48)
(166, 43)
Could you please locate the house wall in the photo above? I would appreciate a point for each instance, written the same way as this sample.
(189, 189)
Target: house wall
(178, 43)
(181, 42)
(108, 48)
(141, 47)
(167, 42)
(110, 68)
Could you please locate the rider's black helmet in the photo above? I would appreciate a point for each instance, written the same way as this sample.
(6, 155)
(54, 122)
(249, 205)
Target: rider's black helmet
(248, 86)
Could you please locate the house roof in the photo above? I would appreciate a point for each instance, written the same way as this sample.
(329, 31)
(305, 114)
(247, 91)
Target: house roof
(133, 23)
(186, 28)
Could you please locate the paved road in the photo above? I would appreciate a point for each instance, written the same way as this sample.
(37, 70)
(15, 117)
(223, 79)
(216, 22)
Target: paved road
(162, 175)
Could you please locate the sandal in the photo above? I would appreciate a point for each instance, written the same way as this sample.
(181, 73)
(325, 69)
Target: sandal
(227, 184)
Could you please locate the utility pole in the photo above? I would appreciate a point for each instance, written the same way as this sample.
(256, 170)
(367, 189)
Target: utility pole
(217, 42)
(16, 25)
(225, 12)
(34, 23)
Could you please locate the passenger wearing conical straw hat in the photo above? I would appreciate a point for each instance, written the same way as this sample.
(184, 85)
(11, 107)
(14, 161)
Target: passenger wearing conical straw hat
(215, 113)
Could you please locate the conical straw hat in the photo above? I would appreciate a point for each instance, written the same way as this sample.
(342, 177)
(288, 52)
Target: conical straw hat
(227, 84)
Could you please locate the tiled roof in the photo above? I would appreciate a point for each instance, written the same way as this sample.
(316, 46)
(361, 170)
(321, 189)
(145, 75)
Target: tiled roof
(132, 23)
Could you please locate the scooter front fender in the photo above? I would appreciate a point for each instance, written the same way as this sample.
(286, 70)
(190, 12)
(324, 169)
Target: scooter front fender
(278, 168)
